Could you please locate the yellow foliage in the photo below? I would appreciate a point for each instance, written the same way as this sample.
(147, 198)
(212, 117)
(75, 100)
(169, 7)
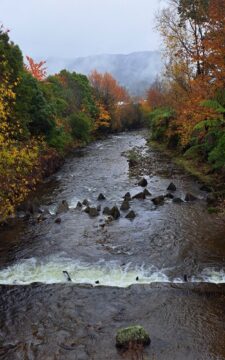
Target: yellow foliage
(17, 160)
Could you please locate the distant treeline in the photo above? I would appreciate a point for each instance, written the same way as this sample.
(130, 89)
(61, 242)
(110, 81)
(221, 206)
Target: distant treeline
(42, 118)
(187, 104)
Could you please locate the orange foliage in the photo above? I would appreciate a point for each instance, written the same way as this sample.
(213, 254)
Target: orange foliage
(36, 69)
(107, 87)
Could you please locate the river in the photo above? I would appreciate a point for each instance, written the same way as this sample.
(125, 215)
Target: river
(123, 273)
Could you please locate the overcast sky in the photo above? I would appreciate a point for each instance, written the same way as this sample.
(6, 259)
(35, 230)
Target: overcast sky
(73, 28)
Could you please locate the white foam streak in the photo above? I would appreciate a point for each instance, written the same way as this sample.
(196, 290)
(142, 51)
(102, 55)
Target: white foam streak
(104, 273)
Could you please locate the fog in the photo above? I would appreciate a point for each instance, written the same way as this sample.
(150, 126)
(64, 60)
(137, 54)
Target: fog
(73, 28)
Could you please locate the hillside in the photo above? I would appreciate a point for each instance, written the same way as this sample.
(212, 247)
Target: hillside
(135, 71)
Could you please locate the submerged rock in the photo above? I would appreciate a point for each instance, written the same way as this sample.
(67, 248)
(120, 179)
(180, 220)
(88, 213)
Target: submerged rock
(139, 196)
(58, 221)
(131, 336)
(172, 187)
(63, 207)
(101, 197)
(190, 197)
(106, 210)
(169, 196)
(177, 200)
(125, 205)
(143, 182)
(131, 215)
(159, 200)
(93, 212)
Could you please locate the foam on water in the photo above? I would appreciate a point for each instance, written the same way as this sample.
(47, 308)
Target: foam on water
(50, 271)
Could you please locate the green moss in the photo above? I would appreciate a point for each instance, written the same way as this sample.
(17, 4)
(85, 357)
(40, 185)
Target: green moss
(213, 210)
(132, 335)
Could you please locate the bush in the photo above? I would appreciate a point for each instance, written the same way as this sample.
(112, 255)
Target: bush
(81, 126)
(59, 139)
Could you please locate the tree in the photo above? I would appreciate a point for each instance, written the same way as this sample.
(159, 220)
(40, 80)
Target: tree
(37, 70)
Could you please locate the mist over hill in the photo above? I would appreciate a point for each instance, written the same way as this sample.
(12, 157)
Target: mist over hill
(135, 71)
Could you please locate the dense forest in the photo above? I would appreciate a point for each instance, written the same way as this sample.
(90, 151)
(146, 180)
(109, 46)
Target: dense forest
(42, 118)
(188, 100)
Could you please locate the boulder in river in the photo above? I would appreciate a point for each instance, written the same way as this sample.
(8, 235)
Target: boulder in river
(79, 205)
(115, 213)
(146, 192)
(127, 196)
(143, 182)
(85, 202)
(190, 197)
(99, 208)
(169, 196)
(125, 205)
(131, 215)
(139, 196)
(132, 336)
(159, 200)
(63, 207)
(93, 212)
(101, 197)
(172, 187)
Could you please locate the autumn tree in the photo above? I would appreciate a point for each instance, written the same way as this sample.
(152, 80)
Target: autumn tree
(109, 94)
(37, 70)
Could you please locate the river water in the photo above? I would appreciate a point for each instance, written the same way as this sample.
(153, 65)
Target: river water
(123, 273)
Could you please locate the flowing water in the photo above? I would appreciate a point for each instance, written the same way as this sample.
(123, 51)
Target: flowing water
(123, 272)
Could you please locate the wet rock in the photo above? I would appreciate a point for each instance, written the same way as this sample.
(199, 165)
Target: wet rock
(99, 208)
(159, 200)
(171, 187)
(67, 275)
(169, 196)
(63, 207)
(206, 188)
(97, 282)
(190, 197)
(101, 197)
(79, 205)
(87, 210)
(58, 221)
(137, 278)
(115, 213)
(131, 336)
(185, 278)
(125, 206)
(131, 215)
(177, 200)
(127, 196)
(93, 212)
(139, 196)
(143, 182)
(106, 210)
(85, 202)
(146, 192)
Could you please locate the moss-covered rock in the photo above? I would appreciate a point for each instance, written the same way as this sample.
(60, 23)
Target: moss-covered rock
(132, 335)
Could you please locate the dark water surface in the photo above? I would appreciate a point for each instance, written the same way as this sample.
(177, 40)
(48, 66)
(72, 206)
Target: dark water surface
(44, 317)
